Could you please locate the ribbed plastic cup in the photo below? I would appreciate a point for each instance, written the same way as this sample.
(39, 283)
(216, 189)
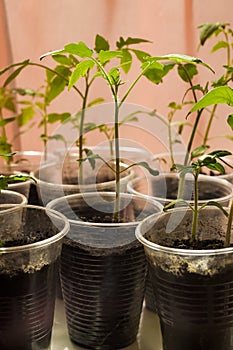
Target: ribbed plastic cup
(28, 265)
(193, 288)
(103, 269)
(164, 188)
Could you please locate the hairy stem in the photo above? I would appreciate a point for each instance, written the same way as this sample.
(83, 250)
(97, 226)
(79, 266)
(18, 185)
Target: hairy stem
(195, 211)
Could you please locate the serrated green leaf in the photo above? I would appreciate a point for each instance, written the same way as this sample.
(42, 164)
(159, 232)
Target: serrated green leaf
(80, 49)
(126, 60)
(218, 95)
(105, 56)
(101, 43)
(80, 71)
(230, 121)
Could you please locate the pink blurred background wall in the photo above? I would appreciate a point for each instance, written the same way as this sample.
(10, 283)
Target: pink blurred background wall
(31, 28)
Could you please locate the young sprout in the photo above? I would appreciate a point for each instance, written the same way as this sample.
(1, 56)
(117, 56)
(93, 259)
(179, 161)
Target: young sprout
(213, 161)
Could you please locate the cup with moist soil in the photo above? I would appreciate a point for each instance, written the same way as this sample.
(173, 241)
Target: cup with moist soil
(103, 268)
(192, 280)
(31, 240)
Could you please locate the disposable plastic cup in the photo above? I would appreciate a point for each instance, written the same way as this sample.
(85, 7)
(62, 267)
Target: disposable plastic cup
(103, 268)
(28, 272)
(193, 288)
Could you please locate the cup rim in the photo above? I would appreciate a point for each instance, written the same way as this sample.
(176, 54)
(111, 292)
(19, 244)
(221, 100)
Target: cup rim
(202, 178)
(149, 222)
(83, 187)
(107, 194)
(13, 206)
(58, 236)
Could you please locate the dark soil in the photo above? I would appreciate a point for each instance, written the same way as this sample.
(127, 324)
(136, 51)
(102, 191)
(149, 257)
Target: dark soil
(199, 245)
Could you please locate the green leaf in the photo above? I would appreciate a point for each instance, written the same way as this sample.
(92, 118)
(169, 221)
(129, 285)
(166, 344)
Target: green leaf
(91, 157)
(199, 151)
(208, 29)
(221, 94)
(142, 56)
(129, 118)
(63, 59)
(89, 127)
(25, 116)
(215, 204)
(230, 121)
(6, 121)
(178, 58)
(10, 104)
(23, 63)
(101, 44)
(189, 69)
(145, 165)
(220, 153)
(65, 72)
(5, 147)
(176, 201)
(105, 56)
(56, 117)
(217, 167)
(80, 49)
(13, 75)
(56, 86)
(130, 41)
(126, 60)
(95, 102)
(154, 72)
(25, 92)
(114, 76)
(57, 137)
(219, 45)
(80, 71)
(183, 169)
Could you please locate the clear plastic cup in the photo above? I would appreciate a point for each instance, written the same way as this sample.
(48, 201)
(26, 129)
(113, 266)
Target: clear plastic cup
(29, 256)
(103, 268)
